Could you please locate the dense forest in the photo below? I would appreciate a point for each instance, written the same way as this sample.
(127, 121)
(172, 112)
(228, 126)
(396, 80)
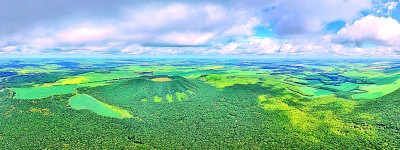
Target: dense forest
(206, 107)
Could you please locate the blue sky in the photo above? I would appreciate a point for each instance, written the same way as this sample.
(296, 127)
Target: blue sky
(295, 28)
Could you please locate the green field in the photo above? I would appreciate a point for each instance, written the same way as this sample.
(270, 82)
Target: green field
(83, 101)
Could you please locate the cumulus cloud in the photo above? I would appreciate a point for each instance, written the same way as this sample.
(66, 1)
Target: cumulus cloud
(319, 46)
(136, 49)
(262, 46)
(371, 29)
(297, 17)
(209, 27)
(384, 7)
(391, 5)
(85, 34)
(175, 23)
(185, 24)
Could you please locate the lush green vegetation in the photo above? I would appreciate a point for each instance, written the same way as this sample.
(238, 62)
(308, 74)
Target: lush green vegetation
(83, 101)
(200, 104)
(222, 81)
(43, 92)
(46, 91)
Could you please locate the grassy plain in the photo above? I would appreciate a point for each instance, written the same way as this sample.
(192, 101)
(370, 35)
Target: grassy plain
(84, 101)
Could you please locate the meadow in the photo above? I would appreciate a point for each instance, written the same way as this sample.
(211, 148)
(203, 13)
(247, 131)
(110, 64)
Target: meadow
(155, 103)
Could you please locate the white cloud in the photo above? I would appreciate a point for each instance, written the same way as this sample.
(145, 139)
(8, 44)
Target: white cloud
(85, 33)
(297, 17)
(391, 5)
(252, 46)
(320, 46)
(207, 28)
(383, 7)
(376, 30)
(9, 48)
(231, 48)
(158, 17)
(262, 46)
(243, 29)
(136, 49)
(209, 21)
(170, 24)
(185, 38)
